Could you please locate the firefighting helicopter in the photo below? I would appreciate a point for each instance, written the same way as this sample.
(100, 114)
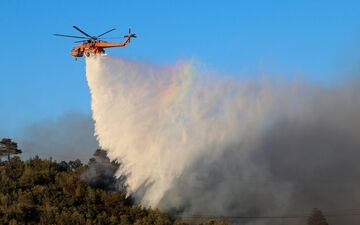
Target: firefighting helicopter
(94, 45)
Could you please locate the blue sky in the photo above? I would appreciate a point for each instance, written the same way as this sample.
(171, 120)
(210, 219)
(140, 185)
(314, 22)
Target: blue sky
(39, 78)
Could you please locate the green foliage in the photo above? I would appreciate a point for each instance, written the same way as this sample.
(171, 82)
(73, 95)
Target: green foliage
(41, 191)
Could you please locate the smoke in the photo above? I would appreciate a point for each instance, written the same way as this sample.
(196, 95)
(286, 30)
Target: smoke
(307, 157)
(101, 173)
(194, 142)
(69, 137)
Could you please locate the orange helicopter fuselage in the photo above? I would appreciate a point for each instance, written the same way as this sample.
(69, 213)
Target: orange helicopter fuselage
(95, 48)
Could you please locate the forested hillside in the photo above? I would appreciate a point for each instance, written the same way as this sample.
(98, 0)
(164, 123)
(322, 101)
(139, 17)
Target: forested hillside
(43, 191)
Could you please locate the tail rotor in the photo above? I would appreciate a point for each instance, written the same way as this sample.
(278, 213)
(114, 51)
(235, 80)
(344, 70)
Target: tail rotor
(130, 35)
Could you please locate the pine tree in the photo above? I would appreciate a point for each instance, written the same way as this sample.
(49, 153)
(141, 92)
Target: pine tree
(317, 218)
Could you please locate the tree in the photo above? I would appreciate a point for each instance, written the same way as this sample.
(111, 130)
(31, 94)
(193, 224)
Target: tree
(317, 218)
(42, 191)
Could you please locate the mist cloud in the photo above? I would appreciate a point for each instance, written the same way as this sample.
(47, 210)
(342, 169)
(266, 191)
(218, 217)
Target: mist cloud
(192, 143)
(308, 156)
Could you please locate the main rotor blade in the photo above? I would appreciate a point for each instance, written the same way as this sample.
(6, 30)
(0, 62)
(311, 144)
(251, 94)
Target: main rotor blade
(79, 41)
(111, 38)
(62, 35)
(106, 32)
(81, 31)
